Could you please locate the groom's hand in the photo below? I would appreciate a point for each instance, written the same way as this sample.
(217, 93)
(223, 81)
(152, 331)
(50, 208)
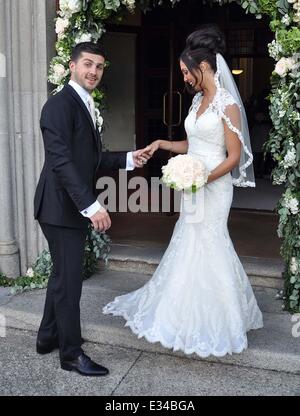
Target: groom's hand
(101, 220)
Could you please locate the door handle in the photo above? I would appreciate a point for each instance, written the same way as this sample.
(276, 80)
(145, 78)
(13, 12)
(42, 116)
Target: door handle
(164, 109)
(180, 110)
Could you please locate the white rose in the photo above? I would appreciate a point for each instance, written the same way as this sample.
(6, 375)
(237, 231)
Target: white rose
(294, 206)
(297, 18)
(281, 67)
(61, 25)
(74, 5)
(293, 265)
(184, 171)
(296, 6)
(59, 72)
(30, 272)
(68, 7)
(289, 158)
(290, 63)
(84, 37)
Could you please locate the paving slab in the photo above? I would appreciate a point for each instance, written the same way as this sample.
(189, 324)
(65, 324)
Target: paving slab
(173, 376)
(24, 372)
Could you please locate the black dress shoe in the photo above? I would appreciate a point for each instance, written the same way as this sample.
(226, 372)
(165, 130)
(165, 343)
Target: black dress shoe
(47, 347)
(84, 366)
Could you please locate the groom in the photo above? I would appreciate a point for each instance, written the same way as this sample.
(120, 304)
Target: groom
(65, 202)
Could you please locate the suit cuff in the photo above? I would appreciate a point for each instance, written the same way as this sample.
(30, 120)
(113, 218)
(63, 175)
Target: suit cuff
(91, 210)
(129, 161)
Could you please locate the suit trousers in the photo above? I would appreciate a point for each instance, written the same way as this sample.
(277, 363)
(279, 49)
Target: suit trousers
(61, 319)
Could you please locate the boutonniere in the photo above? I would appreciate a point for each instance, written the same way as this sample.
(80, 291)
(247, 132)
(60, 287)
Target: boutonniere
(99, 120)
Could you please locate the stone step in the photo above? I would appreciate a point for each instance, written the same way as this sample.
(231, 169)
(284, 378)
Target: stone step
(273, 347)
(143, 257)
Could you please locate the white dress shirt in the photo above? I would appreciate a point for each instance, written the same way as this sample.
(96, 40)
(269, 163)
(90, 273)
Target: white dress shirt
(84, 95)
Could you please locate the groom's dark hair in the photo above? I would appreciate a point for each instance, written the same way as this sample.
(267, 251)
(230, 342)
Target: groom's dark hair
(89, 47)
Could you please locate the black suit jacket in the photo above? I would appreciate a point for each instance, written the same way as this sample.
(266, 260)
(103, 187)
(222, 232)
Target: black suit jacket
(73, 155)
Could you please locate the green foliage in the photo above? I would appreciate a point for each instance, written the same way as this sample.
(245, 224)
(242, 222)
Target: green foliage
(283, 6)
(251, 6)
(289, 40)
(99, 10)
(267, 6)
(284, 141)
(43, 264)
(96, 248)
(24, 283)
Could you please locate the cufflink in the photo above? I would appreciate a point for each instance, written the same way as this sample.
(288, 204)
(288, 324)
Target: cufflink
(85, 211)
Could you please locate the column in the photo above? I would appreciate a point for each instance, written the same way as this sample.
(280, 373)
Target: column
(9, 254)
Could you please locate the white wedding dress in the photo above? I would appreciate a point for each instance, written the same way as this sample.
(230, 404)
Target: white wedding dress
(199, 299)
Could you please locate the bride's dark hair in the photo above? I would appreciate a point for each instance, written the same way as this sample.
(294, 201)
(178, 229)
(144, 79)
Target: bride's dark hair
(202, 45)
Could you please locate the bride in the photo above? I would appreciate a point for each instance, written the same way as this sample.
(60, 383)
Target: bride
(199, 299)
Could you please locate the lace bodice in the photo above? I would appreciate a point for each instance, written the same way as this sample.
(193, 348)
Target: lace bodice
(205, 133)
(220, 101)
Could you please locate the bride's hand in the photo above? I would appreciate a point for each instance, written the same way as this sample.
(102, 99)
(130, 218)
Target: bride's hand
(152, 148)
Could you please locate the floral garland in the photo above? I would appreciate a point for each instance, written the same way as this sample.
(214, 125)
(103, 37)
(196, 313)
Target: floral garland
(83, 20)
(284, 141)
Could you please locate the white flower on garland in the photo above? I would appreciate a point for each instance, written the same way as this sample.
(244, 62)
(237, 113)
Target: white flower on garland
(292, 204)
(60, 26)
(294, 266)
(275, 49)
(30, 272)
(58, 73)
(279, 178)
(296, 7)
(283, 66)
(58, 88)
(83, 37)
(99, 119)
(69, 7)
(130, 4)
(281, 113)
(93, 36)
(286, 20)
(65, 56)
(289, 159)
(294, 117)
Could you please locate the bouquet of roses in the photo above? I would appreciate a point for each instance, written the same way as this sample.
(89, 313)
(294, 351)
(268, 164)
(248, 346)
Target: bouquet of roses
(185, 173)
